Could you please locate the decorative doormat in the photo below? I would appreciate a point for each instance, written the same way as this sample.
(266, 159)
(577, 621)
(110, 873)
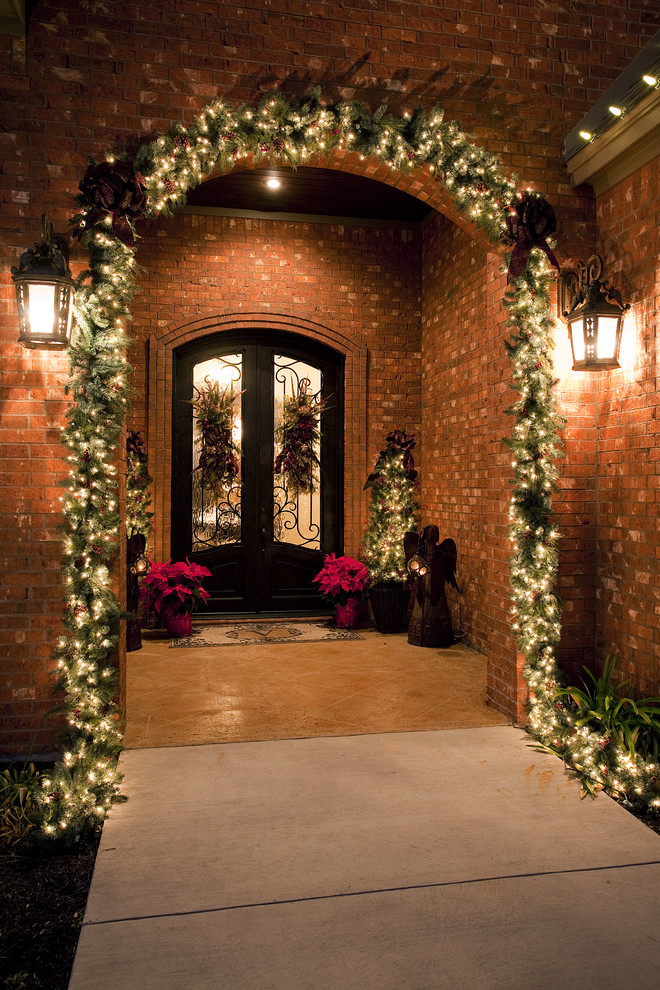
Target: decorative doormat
(249, 633)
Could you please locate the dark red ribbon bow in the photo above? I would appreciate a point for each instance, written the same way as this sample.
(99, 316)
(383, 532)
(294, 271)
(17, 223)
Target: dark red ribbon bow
(134, 443)
(117, 190)
(530, 222)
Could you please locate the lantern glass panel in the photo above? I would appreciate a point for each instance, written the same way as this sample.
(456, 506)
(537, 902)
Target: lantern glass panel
(607, 326)
(41, 304)
(577, 339)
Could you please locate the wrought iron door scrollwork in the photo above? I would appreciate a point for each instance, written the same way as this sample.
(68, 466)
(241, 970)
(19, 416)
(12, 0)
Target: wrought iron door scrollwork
(216, 476)
(297, 475)
(287, 521)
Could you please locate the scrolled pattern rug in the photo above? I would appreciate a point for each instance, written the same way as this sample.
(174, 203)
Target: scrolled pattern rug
(250, 633)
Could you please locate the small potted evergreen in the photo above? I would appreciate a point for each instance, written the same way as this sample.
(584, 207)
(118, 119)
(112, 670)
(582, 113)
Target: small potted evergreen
(393, 509)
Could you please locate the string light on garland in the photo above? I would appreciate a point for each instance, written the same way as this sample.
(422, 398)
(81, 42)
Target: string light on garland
(393, 509)
(114, 195)
(596, 760)
(138, 482)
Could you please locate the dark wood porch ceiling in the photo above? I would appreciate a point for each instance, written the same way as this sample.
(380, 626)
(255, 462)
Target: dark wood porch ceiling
(309, 191)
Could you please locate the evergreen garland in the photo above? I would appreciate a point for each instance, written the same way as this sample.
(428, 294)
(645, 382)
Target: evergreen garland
(114, 195)
(78, 793)
(138, 482)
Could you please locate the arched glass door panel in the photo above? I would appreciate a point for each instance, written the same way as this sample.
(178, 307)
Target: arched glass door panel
(216, 501)
(297, 513)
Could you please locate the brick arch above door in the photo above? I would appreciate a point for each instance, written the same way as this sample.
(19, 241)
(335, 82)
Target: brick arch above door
(160, 347)
(420, 183)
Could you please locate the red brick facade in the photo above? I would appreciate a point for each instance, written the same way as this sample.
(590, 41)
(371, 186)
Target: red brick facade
(356, 289)
(627, 422)
(417, 314)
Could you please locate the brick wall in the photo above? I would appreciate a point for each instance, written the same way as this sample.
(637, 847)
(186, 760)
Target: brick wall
(628, 416)
(33, 406)
(465, 391)
(91, 78)
(356, 289)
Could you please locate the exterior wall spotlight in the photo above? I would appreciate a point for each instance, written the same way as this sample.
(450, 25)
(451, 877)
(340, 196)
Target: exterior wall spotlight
(44, 292)
(595, 316)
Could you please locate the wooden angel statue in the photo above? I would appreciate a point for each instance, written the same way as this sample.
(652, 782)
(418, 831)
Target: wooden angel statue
(430, 567)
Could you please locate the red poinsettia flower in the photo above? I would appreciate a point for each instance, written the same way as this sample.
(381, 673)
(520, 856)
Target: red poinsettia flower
(174, 589)
(342, 578)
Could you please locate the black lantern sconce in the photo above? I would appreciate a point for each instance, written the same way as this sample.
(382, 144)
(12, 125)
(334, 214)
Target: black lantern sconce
(595, 314)
(44, 292)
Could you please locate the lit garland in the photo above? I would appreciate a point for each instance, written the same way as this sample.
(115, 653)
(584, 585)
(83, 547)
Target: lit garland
(79, 792)
(598, 761)
(138, 480)
(393, 509)
(82, 787)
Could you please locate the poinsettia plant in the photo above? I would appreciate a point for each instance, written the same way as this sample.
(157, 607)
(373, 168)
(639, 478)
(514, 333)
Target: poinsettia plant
(342, 578)
(174, 589)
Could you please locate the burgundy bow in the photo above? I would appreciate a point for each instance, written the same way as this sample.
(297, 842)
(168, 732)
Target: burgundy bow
(530, 221)
(134, 443)
(400, 440)
(397, 440)
(113, 189)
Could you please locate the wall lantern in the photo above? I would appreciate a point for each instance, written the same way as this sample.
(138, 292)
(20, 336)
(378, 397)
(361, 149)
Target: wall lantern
(44, 292)
(595, 316)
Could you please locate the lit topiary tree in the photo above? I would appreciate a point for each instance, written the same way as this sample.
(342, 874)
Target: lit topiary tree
(393, 509)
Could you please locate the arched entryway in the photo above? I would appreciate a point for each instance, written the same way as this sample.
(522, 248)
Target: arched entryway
(261, 535)
(114, 195)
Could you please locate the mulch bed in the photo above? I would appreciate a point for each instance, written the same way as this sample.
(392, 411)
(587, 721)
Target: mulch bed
(41, 910)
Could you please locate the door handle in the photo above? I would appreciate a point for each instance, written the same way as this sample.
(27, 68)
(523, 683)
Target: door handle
(263, 539)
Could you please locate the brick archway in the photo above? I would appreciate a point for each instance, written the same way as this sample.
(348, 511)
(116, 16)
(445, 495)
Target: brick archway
(113, 195)
(474, 207)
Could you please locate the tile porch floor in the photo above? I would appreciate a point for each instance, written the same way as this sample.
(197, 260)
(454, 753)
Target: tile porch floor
(183, 696)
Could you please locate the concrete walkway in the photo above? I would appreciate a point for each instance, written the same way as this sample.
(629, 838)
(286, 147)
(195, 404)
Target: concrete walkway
(458, 859)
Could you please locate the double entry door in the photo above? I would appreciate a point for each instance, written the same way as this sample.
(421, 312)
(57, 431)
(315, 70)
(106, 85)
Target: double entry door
(254, 499)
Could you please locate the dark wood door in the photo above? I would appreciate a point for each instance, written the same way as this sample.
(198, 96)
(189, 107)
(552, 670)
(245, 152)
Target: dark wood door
(262, 543)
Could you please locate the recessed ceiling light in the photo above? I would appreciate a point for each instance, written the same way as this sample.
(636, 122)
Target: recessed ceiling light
(273, 182)
(617, 111)
(586, 135)
(650, 80)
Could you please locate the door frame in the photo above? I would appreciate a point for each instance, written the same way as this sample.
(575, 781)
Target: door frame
(301, 347)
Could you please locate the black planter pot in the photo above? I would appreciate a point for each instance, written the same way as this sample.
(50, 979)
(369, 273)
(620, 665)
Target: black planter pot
(389, 603)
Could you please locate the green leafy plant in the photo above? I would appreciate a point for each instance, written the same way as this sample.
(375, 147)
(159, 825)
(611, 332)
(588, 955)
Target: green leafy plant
(19, 981)
(633, 725)
(18, 811)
